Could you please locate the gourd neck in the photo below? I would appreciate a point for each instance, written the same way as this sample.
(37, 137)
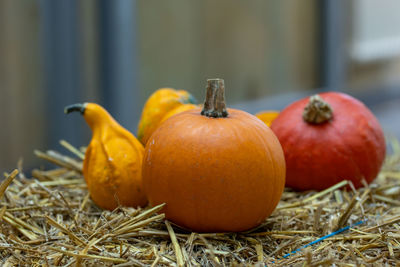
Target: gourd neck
(317, 111)
(214, 105)
(96, 116)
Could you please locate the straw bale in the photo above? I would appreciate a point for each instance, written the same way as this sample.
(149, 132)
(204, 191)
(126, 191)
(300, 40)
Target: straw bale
(49, 219)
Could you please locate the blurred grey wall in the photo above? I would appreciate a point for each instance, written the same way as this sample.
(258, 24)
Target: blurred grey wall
(259, 47)
(22, 95)
(117, 53)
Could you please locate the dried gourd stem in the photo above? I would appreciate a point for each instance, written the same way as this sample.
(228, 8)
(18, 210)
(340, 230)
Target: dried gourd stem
(80, 107)
(214, 105)
(317, 111)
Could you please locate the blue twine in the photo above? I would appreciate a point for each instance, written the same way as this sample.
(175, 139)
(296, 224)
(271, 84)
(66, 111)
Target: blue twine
(321, 239)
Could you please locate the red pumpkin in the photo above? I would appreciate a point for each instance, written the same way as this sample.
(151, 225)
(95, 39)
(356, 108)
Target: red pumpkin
(215, 172)
(329, 138)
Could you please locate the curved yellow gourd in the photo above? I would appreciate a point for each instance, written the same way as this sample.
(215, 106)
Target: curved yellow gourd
(159, 103)
(267, 116)
(113, 160)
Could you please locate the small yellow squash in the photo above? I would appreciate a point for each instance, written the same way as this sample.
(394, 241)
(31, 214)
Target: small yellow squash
(267, 116)
(157, 106)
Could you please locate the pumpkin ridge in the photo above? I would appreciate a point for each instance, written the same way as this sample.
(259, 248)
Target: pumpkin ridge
(348, 157)
(271, 162)
(363, 113)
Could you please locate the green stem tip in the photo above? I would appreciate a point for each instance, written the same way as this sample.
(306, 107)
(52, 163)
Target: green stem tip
(75, 108)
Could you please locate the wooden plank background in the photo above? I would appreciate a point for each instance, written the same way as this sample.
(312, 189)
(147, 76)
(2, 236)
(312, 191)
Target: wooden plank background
(258, 47)
(261, 48)
(253, 45)
(23, 127)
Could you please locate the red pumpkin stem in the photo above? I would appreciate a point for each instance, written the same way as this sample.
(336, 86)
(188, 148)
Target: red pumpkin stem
(214, 105)
(317, 110)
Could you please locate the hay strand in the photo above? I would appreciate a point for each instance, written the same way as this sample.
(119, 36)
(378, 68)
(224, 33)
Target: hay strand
(177, 248)
(7, 182)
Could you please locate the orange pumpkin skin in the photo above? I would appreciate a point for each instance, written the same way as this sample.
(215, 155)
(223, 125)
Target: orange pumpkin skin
(214, 174)
(350, 146)
(267, 116)
(157, 106)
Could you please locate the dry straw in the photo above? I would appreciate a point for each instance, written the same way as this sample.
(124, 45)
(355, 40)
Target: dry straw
(50, 220)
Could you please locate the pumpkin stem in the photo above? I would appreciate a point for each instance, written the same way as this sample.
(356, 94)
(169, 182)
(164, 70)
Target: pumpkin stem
(214, 105)
(317, 110)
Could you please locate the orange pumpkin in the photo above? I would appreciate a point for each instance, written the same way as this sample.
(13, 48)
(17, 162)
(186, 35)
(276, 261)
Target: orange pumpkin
(157, 106)
(217, 169)
(267, 116)
(112, 167)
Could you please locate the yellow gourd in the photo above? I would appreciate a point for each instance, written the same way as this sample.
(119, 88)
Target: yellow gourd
(267, 116)
(178, 110)
(157, 106)
(113, 160)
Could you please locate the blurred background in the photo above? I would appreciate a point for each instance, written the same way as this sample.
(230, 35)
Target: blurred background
(116, 53)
